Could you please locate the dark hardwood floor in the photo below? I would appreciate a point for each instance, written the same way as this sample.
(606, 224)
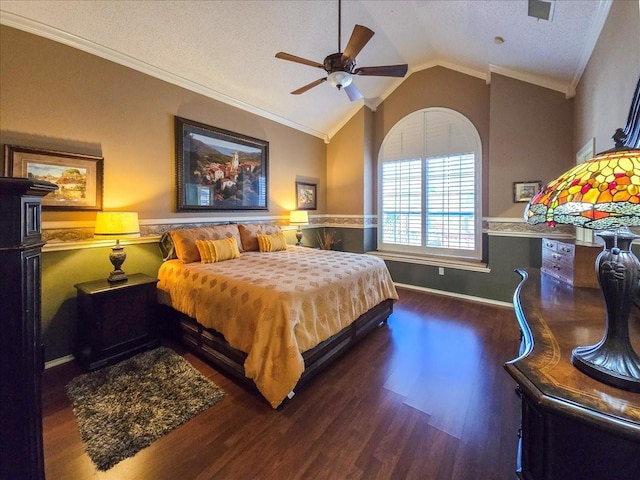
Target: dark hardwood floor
(425, 397)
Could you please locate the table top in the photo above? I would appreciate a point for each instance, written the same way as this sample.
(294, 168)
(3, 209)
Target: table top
(102, 285)
(554, 319)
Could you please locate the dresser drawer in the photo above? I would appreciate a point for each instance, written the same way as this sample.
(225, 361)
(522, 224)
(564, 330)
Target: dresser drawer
(561, 248)
(570, 263)
(558, 265)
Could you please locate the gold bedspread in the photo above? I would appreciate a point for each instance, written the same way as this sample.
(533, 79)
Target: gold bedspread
(274, 306)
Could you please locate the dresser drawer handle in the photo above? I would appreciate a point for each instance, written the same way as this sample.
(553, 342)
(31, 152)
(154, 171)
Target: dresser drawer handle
(566, 249)
(557, 256)
(549, 244)
(557, 267)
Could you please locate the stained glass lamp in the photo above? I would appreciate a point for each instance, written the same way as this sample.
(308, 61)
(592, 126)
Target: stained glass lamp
(603, 194)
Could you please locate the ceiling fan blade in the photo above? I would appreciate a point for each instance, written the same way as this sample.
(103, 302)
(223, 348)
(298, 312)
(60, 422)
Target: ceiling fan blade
(352, 92)
(383, 71)
(359, 38)
(293, 58)
(315, 83)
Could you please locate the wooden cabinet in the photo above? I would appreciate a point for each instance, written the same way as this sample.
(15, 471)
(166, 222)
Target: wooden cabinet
(573, 427)
(21, 355)
(570, 262)
(116, 320)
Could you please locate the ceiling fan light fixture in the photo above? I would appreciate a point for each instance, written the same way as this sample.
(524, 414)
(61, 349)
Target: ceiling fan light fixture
(339, 79)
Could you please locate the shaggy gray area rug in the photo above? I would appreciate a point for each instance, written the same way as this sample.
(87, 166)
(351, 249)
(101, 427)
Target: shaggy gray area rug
(123, 408)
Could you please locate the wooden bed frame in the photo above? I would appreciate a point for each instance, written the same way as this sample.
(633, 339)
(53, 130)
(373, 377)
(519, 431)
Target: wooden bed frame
(212, 346)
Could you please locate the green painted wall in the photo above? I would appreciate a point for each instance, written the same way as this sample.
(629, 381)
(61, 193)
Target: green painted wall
(505, 254)
(61, 270)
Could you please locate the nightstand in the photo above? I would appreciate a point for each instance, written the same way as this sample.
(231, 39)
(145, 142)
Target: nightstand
(116, 320)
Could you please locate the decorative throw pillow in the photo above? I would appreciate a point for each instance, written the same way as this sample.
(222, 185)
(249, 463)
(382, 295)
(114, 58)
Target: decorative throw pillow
(272, 243)
(167, 248)
(249, 234)
(184, 239)
(212, 251)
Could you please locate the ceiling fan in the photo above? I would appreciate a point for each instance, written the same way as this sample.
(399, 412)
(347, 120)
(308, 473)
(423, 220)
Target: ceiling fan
(340, 66)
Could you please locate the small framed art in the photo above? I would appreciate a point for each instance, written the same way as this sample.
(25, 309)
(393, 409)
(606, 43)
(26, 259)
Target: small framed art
(78, 177)
(525, 191)
(306, 196)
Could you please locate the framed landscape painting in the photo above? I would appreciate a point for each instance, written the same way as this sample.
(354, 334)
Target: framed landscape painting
(78, 177)
(219, 170)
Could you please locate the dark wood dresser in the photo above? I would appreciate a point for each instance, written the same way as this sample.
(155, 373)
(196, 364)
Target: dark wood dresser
(573, 427)
(21, 356)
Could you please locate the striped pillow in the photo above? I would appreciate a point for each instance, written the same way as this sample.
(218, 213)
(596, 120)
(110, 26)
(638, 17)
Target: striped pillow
(272, 243)
(212, 251)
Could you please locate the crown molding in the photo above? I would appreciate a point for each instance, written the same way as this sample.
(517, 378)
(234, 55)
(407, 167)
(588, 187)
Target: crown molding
(604, 6)
(30, 26)
(530, 78)
(451, 66)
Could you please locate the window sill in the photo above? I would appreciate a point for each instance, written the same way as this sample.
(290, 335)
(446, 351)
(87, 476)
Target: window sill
(459, 264)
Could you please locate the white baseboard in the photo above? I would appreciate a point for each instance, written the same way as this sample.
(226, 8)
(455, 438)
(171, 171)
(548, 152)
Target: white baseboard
(58, 361)
(489, 301)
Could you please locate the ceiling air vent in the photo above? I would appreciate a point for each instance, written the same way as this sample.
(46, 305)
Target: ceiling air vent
(541, 9)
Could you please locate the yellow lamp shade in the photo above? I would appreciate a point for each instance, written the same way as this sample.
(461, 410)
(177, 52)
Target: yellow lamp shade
(117, 225)
(298, 217)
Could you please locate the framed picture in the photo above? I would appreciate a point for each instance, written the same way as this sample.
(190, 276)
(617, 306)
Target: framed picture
(306, 196)
(525, 191)
(219, 170)
(78, 177)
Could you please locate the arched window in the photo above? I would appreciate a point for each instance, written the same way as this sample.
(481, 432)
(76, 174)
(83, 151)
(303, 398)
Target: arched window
(430, 171)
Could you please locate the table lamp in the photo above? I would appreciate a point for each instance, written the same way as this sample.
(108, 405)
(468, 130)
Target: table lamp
(117, 225)
(298, 217)
(603, 194)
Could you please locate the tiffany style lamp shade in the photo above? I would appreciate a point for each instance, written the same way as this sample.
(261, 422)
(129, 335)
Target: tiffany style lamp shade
(603, 194)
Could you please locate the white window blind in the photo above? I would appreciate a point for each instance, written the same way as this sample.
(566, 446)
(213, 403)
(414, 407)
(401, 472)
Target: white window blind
(402, 202)
(429, 186)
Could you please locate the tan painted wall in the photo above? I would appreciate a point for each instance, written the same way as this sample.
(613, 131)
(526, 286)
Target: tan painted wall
(530, 139)
(606, 88)
(345, 167)
(437, 87)
(525, 130)
(370, 174)
(54, 96)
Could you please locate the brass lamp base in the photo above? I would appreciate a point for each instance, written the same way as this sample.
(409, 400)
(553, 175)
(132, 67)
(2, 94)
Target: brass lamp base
(613, 360)
(117, 258)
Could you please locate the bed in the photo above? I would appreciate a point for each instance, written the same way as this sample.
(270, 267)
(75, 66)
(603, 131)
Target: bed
(274, 316)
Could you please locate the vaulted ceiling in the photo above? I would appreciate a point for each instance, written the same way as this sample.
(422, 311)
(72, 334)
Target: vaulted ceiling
(226, 49)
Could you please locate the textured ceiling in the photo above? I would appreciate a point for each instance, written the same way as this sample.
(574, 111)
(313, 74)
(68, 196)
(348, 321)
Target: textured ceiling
(225, 49)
